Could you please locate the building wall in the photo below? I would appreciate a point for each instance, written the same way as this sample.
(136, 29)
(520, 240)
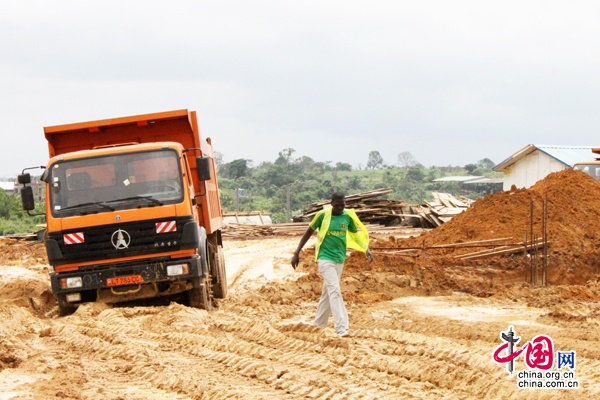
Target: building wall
(530, 169)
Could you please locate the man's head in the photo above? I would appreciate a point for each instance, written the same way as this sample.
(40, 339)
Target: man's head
(338, 202)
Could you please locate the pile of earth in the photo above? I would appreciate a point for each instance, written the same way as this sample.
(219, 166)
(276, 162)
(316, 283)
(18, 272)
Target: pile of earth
(573, 228)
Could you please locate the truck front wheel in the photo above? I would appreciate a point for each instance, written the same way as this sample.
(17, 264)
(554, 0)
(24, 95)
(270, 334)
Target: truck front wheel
(219, 286)
(199, 295)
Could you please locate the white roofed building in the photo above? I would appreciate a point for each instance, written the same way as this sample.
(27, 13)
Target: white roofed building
(534, 162)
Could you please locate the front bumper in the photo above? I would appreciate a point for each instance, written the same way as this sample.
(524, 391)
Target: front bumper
(151, 271)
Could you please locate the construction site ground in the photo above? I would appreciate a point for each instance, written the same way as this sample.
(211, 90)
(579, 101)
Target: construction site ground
(409, 338)
(424, 324)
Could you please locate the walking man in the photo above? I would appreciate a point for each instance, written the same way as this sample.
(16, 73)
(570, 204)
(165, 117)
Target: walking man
(337, 230)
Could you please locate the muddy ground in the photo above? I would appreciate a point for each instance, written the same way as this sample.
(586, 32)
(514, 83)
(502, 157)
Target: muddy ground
(407, 341)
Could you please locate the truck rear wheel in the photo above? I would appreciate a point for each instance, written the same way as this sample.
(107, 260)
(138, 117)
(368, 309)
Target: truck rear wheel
(199, 295)
(65, 308)
(219, 286)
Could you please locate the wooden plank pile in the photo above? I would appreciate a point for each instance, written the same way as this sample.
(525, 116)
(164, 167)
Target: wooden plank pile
(241, 231)
(371, 208)
(443, 208)
(385, 216)
(367, 206)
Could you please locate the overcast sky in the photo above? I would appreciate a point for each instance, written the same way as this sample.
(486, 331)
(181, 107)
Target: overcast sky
(451, 82)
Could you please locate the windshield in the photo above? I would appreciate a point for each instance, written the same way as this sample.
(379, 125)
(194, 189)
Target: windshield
(591, 169)
(115, 182)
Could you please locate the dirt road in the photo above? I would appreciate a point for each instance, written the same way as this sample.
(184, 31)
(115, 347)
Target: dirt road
(258, 344)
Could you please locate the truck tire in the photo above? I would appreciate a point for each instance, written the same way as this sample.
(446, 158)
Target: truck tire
(65, 308)
(199, 295)
(219, 286)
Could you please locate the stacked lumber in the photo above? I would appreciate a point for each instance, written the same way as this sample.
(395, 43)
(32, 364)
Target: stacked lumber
(443, 207)
(373, 209)
(241, 231)
(368, 207)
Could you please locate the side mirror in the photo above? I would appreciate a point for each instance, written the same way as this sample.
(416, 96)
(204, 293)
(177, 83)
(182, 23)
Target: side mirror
(203, 168)
(27, 197)
(24, 178)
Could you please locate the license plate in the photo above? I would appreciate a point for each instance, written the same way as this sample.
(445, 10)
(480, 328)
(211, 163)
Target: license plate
(124, 280)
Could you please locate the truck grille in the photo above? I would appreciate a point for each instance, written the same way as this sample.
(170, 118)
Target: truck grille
(98, 240)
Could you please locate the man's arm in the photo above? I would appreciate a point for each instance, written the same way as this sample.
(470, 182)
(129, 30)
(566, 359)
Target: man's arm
(305, 237)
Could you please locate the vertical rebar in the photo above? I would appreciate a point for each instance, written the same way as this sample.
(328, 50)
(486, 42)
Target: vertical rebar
(531, 237)
(527, 275)
(535, 261)
(546, 240)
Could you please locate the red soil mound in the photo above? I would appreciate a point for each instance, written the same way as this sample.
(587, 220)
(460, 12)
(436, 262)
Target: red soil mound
(573, 223)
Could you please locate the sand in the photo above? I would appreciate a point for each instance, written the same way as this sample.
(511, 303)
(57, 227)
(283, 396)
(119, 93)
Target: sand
(258, 344)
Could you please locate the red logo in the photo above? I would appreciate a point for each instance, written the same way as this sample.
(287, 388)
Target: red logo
(343, 226)
(539, 352)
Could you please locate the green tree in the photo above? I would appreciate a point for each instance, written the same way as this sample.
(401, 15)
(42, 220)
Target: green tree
(238, 168)
(343, 167)
(285, 156)
(485, 163)
(415, 174)
(5, 205)
(375, 160)
(470, 168)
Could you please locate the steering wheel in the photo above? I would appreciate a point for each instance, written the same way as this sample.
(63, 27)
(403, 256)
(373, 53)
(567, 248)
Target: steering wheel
(165, 186)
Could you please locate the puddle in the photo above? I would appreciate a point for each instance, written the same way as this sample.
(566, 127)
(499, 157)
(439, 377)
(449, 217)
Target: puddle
(441, 307)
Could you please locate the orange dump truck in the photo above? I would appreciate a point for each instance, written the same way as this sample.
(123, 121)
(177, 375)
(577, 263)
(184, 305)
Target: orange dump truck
(132, 211)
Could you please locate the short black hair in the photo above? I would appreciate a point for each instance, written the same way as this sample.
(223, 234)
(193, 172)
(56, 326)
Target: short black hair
(338, 195)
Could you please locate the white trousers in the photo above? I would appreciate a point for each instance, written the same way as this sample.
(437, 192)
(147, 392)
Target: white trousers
(331, 297)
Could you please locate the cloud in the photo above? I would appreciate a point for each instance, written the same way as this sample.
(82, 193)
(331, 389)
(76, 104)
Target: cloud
(451, 82)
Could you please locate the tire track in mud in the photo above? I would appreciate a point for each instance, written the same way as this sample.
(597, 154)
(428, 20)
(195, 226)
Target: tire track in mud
(154, 359)
(288, 371)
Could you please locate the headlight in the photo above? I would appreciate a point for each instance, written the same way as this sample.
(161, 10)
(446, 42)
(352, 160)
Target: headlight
(179, 269)
(69, 283)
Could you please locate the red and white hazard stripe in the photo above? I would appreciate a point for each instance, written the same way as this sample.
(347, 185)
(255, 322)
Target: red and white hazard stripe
(73, 238)
(164, 227)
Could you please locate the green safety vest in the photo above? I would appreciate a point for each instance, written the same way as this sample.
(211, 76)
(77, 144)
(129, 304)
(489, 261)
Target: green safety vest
(358, 240)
